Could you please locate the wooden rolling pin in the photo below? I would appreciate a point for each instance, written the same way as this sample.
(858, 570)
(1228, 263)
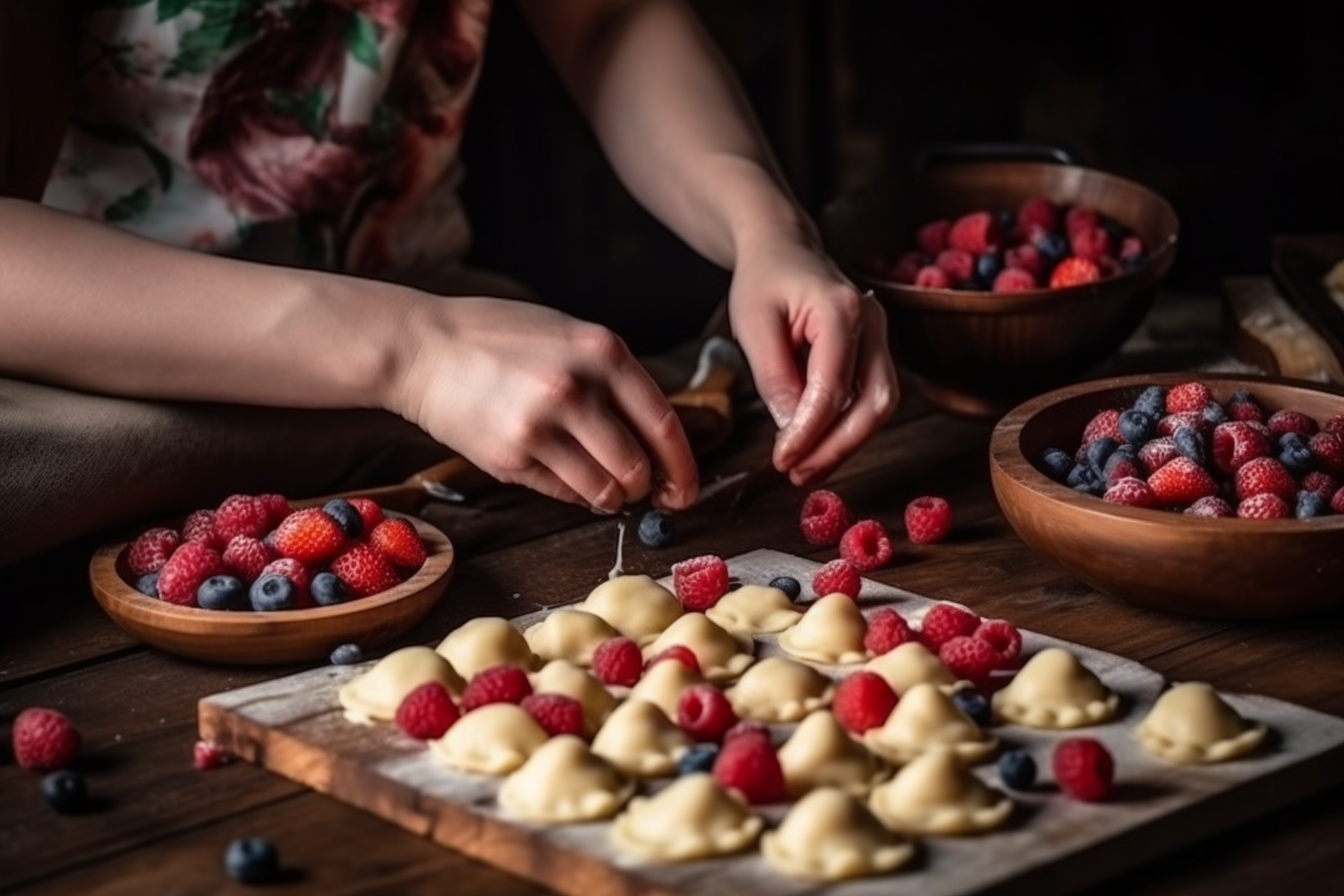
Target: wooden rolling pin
(1267, 332)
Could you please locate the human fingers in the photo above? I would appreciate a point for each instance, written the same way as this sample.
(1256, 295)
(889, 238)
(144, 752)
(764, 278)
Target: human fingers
(654, 424)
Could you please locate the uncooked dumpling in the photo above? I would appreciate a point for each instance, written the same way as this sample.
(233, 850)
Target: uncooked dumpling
(568, 634)
(563, 781)
(692, 818)
(722, 655)
(663, 683)
(754, 610)
(926, 718)
(937, 794)
(821, 753)
(1054, 690)
(909, 664)
(493, 739)
(830, 632)
(564, 677)
(1191, 724)
(831, 835)
(378, 692)
(778, 689)
(483, 642)
(635, 605)
(640, 740)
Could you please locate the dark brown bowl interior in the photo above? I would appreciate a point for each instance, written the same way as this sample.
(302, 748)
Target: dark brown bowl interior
(982, 352)
(1157, 558)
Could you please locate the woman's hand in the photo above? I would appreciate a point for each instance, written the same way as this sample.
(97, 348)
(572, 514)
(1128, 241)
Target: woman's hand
(538, 398)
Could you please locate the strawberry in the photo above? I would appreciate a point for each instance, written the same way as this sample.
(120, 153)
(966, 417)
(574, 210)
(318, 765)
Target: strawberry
(44, 739)
(151, 549)
(1074, 271)
(369, 510)
(1211, 507)
(1168, 424)
(398, 540)
(1131, 491)
(1181, 481)
(191, 564)
(863, 700)
(1263, 475)
(974, 233)
(310, 536)
(241, 515)
(699, 582)
(1104, 424)
(365, 570)
(1155, 453)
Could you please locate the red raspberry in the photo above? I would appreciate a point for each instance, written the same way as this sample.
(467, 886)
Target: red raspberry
(974, 233)
(365, 571)
(1191, 395)
(427, 711)
(932, 277)
(944, 622)
(747, 728)
(678, 653)
(505, 683)
(1084, 768)
(207, 755)
(704, 713)
(700, 581)
(241, 515)
(906, 267)
(1264, 506)
(887, 630)
(151, 549)
(1122, 467)
(1037, 211)
(199, 526)
(1236, 442)
(1026, 258)
(1337, 502)
(298, 574)
(824, 518)
(247, 557)
(1079, 217)
(1131, 247)
(1334, 424)
(1319, 482)
(44, 739)
(1211, 507)
(277, 508)
(310, 536)
(1131, 491)
(1245, 409)
(1074, 271)
(928, 519)
(618, 661)
(932, 237)
(958, 264)
(369, 511)
(397, 539)
(1329, 450)
(1262, 475)
(866, 545)
(1014, 280)
(1181, 481)
(1156, 453)
(971, 658)
(1104, 424)
(555, 713)
(863, 700)
(191, 564)
(750, 766)
(1004, 637)
(1288, 420)
(1092, 243)
(1168, 425)
(837, 577)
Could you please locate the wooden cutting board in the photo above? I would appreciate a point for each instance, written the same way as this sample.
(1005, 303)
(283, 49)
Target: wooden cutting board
(295, 727)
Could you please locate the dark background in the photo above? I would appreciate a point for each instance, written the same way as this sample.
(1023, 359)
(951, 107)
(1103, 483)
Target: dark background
(1237, 120)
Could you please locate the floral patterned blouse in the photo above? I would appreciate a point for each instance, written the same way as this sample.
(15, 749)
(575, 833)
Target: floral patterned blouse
(196, 121)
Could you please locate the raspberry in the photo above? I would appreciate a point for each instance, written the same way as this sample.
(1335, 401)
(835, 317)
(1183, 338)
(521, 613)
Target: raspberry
(1131, 491)
(747, 728)
(887, 630)
(310, 536)
(300, 576)
(555, 713)
(1074, 271)
(1037, 211)
(1241, 406)
(824, 518)
(1104, 424)
(1014, 280)
(973, 233)
(618, 661)
(150, 550)
(944, 622)
(1079, 217)
(837, 577)
(1337, 501)
(1191, 395)
(1236, 442)
(928, 519)
(1264, 506)
(1259, 476)
(1211, 507)
(1027, 258)
(505, 683)
(1288, 420)
(207, 755)
(199, 526)
(1328, 447)
(863, 700)
(1084, 768)
(932, 237)
(1167, 425)
(1319, 482)
(750, 766)
(369, 510)
(959, 264)
(1003, 636)
(44, 739)
(1091, 243)
(1335, 424)
(971, 658)
(678, 653)
(932, 277)
(1155, 454)
(906, 267)
(247, 556)
(1181, 481)
(365, 571)
(277, 508)
(191, 564)
(700, 581)
(866, 545)
(241, 515)
(704, 713)
(397, 540)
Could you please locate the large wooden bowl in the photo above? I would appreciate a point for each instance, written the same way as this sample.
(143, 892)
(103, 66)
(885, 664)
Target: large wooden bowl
(1204, 567)
(980, 353)
(284, 636)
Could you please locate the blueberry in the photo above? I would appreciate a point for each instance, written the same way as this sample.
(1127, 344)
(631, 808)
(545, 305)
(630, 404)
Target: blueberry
(789, 585)
(1153, 402)
(1136, 426)
(1085, 478)
(974, 704)
(252, 860)
(1189, 442)
(1056, 463)
(1310, 505)
(1240, 396)
(657, 529)
(1099, 450)
(148, 584)
(328, 589)
(1052, 245)
(1213, 414)
(1006, 219)
(272, 592)
(65, 791)
(987, 267)
(699, 758)
(222, 593)
(1017, 770)
(1295, 454)
(1131, 263)
(345, 515)
(346, 655)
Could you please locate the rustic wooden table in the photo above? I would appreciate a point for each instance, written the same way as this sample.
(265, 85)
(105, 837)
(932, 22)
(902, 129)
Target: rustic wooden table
(161, 826)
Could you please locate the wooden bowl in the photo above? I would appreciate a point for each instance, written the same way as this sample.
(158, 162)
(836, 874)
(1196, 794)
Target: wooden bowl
(980, 353)
(1162, 559)
(286, 636)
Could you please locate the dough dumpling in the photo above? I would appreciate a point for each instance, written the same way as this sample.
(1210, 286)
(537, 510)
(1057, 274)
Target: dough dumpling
(1191, 724)
(568, 634)
(640, 740)
(831, 835)
(563, 781)
(937, 794)
(1053, 690)
(692, 818)
(722, 655)
(926, 718)
(830, 632)
(378, 692)
(754, 610)
(821, 753)
(778, 689)
(635, 605)
(493, 739)
(484, 642)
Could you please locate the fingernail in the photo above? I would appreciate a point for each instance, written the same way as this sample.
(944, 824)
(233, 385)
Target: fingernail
(781, 419)
(602, 511)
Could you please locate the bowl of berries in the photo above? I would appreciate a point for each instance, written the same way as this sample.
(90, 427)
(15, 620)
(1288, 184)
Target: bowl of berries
(258, 580)
(1002, 279)
(1208, 494)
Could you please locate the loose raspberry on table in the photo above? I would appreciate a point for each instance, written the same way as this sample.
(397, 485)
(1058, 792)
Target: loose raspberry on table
(1003, 636)
(207, 755)
(699, 582)
(505, 683)
(369, 510)
(191, 564)
(310, 536)
(704, 713)
(1181, 481)
(928, 519)
(44, 739)
(1212, 507)
(618, 661)
(398, 540)
(866, 545)
(299, 575)
(151, 549)
(863, 700)
(750, 766)
(1234, 443)
(837, 577)
(241, 515)
(427, 711)
(970, 658)
(1074, 271)
(1264, 506)
(1264, 475)
(365, 570)
(1084, 769)
(945, 621)
(555, 713)
(887, 630)
(247, 556)
(1132, 492)
(824, 518)
(677, 653)
(1191, 395)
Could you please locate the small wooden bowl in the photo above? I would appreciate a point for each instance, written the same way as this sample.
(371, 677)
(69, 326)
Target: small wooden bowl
(286, 636)
(1231, 568)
